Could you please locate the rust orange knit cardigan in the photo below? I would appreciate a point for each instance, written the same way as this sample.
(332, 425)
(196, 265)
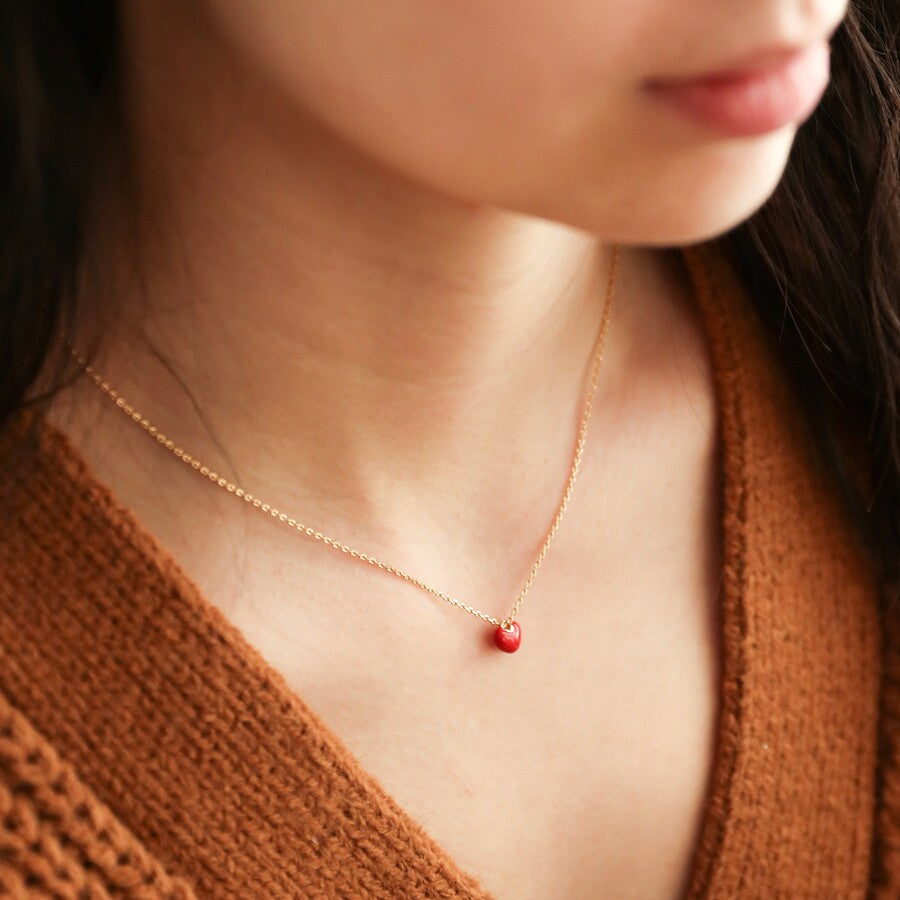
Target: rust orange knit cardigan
(146, 750)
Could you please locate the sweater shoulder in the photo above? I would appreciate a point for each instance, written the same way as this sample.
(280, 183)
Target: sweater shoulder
(886, 849)
(58, 838)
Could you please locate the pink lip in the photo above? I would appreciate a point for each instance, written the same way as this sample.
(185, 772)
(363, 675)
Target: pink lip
(759, 98)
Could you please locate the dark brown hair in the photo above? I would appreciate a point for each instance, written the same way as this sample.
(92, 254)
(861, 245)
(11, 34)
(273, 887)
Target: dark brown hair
(820, 259)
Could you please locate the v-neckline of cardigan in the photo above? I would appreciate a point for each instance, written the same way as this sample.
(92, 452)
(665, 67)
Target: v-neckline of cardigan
(714, 818)
(710, 292)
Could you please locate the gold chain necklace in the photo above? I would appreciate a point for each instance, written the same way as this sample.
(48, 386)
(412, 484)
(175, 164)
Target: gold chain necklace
(507, 633)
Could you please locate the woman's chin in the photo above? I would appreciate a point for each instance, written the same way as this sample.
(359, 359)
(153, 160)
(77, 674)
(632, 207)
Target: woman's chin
(696, 197)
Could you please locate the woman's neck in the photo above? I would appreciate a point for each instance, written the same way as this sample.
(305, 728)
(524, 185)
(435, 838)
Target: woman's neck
(345, 331)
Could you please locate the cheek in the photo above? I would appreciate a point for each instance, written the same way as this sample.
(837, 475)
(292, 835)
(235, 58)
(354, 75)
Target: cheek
(431, 87)
(526, 105)
(613, 166)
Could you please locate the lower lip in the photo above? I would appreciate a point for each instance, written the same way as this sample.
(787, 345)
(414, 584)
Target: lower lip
(752, 102)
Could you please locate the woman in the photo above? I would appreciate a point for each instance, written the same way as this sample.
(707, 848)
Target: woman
(378, 266)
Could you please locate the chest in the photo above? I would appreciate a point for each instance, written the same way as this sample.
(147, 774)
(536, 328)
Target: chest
(577, 767)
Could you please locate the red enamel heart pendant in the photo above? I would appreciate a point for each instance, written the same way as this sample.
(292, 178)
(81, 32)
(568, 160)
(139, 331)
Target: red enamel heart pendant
(508, 639)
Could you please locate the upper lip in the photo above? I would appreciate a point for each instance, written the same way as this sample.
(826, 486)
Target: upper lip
(746, 63)
(758, 60)
(743, 66)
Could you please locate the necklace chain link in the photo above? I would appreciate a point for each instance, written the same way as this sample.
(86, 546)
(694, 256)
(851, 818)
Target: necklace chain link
(308, 530)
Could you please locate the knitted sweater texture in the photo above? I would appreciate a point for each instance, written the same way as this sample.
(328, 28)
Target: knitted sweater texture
(148, 751)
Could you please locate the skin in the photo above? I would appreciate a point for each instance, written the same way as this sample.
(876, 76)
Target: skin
(371, 239)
